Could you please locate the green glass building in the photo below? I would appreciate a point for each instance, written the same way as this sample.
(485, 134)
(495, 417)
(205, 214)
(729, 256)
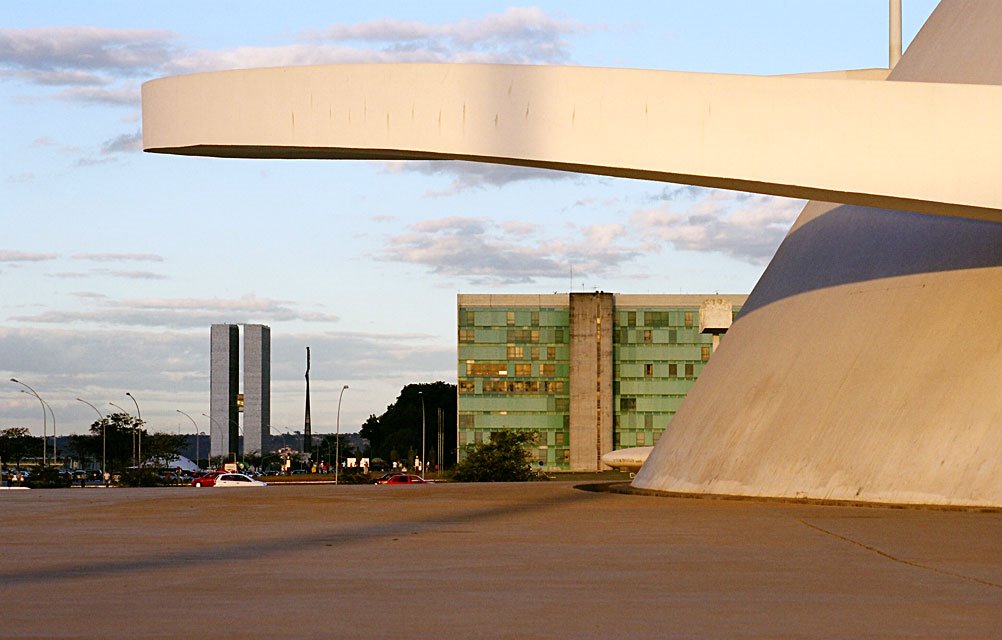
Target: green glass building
(586, 372)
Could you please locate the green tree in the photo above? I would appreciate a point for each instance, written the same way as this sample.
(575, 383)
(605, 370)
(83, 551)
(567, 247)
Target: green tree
(17, 443)
(503, 459)
(162, 449)
(399, 427)
(118, 432)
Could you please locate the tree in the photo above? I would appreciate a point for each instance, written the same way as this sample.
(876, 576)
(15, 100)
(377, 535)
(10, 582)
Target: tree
(503, 459)
(114, 436)
(399, 427)
(161, 449)
(17, 443)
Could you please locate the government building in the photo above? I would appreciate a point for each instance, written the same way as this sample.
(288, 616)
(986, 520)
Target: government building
(587, 372)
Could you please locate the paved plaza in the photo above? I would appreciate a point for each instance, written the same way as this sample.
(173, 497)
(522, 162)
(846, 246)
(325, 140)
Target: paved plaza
(538, 560)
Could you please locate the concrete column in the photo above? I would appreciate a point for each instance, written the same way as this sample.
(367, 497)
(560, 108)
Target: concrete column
(895, 34)
(591, 408)
(257, 387)
(224, 384)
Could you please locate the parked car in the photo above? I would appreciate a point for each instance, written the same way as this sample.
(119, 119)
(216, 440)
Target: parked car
(205, 479)
(403, 478)
(237, 480)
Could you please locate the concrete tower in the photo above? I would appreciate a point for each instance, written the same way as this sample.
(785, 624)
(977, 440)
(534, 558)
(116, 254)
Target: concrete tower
(257, 387)
(224, 383)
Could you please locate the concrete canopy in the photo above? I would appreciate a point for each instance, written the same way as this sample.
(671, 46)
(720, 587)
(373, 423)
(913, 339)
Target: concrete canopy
(864, 365)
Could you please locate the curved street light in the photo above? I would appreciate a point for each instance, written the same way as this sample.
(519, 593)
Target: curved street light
(239, 428)
(104, 436)
(133, 429)
(423, 449)
(194, 424)
(139, 431)
(45, 418)
(337, 436)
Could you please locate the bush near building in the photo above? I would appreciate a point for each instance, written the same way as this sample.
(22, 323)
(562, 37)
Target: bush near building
(503, 459)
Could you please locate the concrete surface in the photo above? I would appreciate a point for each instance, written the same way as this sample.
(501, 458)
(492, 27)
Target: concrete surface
(540, 560)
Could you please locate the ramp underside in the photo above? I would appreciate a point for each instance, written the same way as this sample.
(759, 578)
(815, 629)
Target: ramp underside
(866, 363)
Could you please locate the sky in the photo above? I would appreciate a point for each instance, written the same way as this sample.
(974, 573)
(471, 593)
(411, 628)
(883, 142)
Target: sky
(114, 263)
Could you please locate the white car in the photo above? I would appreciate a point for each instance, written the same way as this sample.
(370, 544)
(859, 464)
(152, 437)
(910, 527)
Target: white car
(237, 480)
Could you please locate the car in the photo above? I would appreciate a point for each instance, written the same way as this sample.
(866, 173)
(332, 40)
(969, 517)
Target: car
(403, 478)
(237, 480)
(205, 480)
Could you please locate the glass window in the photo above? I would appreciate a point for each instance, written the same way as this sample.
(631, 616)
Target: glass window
(649, 370)
(558, 438)
(624, 336)
(673, 336)
(486, 369)
(641, 439)
(704, 352)
(627, 404)
(515, 353)
(523, 370)
(467, 335)
(467, 386)
(510, 318)
(534, 353)
(535, 319)
(558, 335)
(547, 369)
(673, 370)
(562, 405)
(551, 353)
(466, 420)
(688, 319)
(631, 318)
(689, 370)
(648, 336)
(648, 421)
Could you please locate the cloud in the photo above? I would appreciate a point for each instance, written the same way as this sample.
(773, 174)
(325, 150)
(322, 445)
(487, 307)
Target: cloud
(522, 35)
(474, 175)
(23, 256)
(119, 257)
(176, 313)
(24, 177)
(72, 50)
(743, 226)
(511, 252)
(108, 273)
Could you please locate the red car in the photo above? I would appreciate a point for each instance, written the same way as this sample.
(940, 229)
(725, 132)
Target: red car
(205, 480)
(403, 478)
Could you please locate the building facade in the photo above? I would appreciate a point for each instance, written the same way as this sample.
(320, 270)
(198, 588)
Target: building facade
(225, 402)
(587, 372)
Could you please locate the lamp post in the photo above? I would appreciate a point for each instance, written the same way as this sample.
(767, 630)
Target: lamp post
(337, 436)
(104, 435)
(421, 393)
(53, 416)
(133, 430)
(139, 431)
(239, 428)
(45, 418)
(196, 432)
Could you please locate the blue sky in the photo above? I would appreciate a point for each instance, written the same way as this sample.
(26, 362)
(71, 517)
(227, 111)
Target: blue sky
(113, 263)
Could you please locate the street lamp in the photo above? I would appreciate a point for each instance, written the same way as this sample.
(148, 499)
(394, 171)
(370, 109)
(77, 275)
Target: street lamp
(337, 436)
(104, 436)
(45, 418)
(239, 428)
(196, 432)
(133, 430)
(139, 431)
(421, 393)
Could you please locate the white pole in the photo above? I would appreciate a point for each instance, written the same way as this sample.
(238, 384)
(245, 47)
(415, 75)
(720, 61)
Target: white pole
(895, 33)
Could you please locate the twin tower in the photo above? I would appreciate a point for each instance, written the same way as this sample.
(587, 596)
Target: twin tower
(225, 400)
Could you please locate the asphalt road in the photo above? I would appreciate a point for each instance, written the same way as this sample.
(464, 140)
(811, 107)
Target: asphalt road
(538, 560)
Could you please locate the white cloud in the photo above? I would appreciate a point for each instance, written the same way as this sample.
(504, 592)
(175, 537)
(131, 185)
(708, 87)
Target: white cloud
(177, 313)
(7, 255)
(743, 226)
(119, 257)
(482, 251)
(70, 50)
(474, 175)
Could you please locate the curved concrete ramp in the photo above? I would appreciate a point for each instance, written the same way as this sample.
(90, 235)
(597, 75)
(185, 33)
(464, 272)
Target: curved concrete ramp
(926, 147)
(867, 362)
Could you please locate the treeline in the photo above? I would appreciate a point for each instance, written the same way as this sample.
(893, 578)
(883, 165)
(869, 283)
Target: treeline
(396, 434)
